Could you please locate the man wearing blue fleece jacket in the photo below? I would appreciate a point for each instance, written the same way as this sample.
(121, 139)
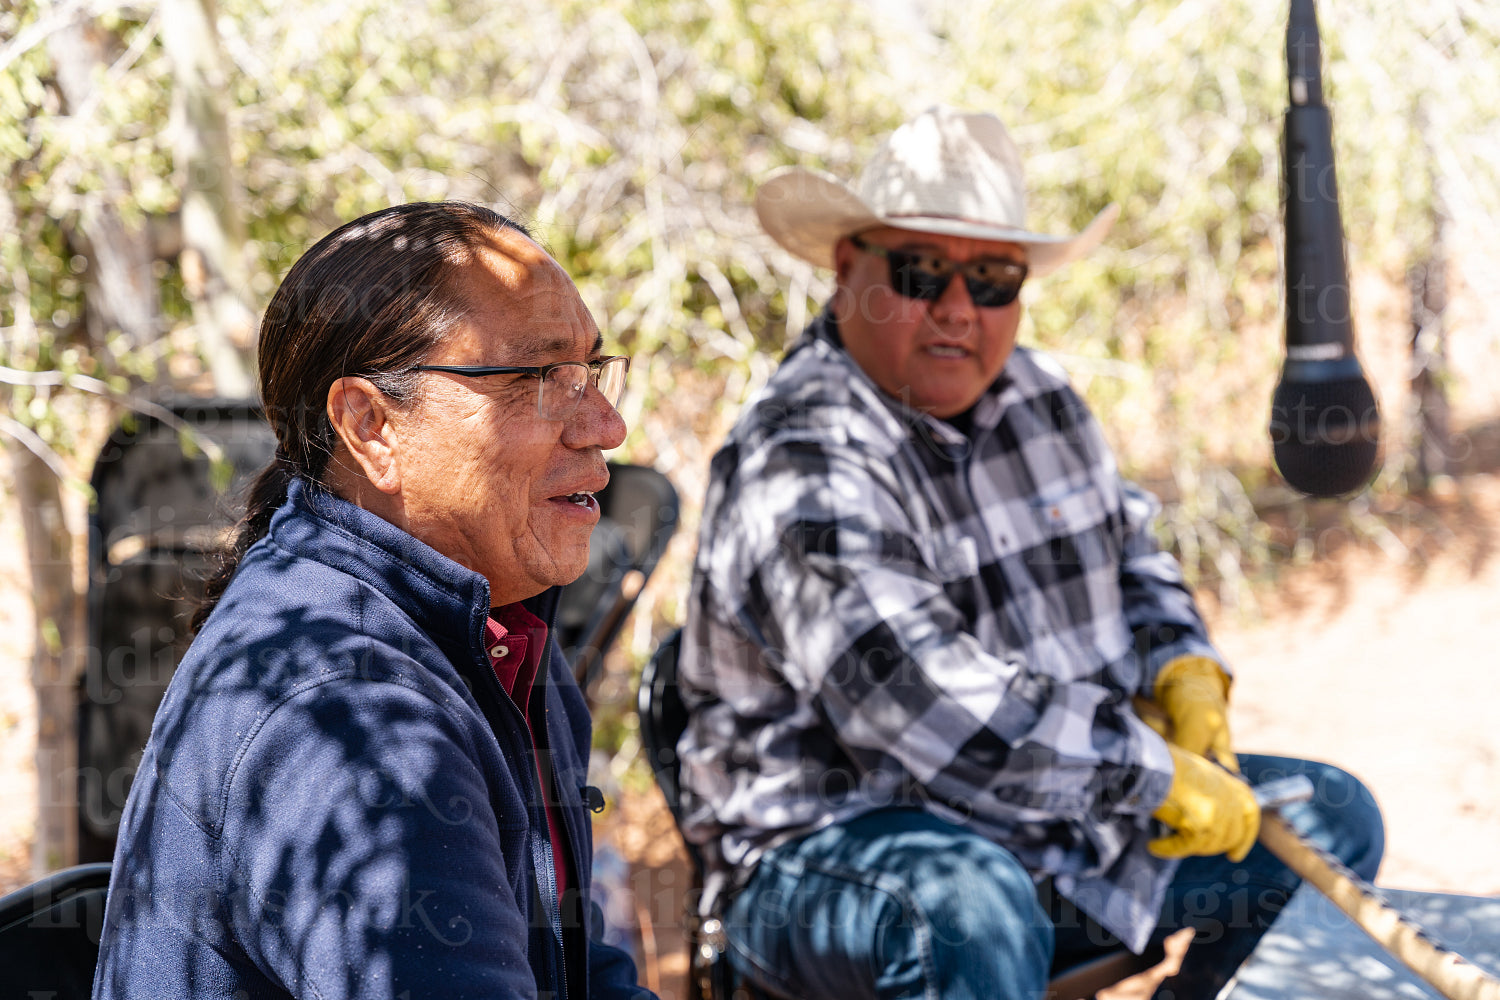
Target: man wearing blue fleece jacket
(367, 777)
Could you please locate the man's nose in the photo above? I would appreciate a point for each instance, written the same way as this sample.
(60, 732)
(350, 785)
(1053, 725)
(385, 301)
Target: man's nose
(595, 424)
(955, 305)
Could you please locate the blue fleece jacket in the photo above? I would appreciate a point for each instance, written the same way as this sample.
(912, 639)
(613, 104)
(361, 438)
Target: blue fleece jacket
(338, 800)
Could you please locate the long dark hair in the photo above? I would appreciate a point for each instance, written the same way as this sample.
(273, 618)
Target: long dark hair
(371, 299)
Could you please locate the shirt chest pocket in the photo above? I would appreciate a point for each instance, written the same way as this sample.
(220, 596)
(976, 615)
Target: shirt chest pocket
(1074, 526)
(1067, 509)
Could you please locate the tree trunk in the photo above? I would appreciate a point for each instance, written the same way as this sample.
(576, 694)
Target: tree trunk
(59, 630)
(1432, 451)
(122, 290)
(122, 295)
(213, 232)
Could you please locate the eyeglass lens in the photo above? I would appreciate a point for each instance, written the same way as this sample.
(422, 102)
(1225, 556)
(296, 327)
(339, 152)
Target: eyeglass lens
(563, 387)
(925, 277)
(611, 379)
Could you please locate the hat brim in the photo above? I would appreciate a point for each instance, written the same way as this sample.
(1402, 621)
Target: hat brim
(807, 213)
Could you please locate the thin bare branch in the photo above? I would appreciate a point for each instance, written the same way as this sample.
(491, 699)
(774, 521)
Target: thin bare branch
(32, 442)
(85, 383)
(63, 18)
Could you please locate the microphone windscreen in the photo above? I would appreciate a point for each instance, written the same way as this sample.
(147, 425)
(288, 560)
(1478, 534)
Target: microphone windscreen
(1325, 435)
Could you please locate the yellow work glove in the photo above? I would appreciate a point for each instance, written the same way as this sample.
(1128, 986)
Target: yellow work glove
(1209, 810)
(1193, 691)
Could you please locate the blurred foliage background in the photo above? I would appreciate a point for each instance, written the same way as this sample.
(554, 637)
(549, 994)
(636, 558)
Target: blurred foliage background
(165, 163)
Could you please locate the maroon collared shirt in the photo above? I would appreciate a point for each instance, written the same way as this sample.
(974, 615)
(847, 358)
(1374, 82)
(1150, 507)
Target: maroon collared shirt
(514, 640)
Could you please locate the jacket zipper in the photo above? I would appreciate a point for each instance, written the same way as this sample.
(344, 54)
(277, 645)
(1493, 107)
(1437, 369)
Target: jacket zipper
(544, 867)
(541, 850)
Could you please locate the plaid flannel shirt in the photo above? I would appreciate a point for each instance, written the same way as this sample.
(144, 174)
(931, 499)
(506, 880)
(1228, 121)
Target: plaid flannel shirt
(887, 611)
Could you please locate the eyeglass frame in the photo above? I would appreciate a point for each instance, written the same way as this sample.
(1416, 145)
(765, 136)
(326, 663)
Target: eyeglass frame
(595, 371)
(970, 280)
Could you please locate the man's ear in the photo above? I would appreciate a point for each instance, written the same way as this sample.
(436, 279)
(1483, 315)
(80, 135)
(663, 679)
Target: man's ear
(843, 263)
(843, 259)
(360, 415)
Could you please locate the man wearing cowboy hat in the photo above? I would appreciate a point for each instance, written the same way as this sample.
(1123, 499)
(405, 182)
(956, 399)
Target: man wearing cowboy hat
(927, 617)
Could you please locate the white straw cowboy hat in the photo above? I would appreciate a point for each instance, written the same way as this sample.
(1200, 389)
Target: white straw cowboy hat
(945, 171)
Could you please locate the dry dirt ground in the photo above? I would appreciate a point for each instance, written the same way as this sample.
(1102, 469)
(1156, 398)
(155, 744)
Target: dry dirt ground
(1381, 660)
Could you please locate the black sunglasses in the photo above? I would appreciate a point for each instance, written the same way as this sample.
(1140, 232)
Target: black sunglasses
(992, 282)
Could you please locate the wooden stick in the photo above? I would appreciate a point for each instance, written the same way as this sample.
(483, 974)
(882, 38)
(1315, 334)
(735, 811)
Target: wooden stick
(1447, 972)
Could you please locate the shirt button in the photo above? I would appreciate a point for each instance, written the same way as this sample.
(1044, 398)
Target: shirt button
(499, 652)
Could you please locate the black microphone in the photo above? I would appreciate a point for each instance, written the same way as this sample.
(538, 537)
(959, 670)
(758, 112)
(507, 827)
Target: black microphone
(1325, 423)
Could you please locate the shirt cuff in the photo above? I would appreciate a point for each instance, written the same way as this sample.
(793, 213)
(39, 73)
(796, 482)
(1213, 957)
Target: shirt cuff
(1160, 656)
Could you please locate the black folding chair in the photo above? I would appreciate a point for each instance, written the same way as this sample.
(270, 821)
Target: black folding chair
(49, 934)
(638, 513)
(663, 717)
(162, 510)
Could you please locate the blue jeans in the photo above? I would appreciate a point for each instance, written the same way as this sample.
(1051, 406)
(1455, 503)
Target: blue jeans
(898, 903)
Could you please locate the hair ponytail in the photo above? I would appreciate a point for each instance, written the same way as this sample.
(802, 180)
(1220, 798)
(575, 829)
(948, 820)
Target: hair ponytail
(266, 494)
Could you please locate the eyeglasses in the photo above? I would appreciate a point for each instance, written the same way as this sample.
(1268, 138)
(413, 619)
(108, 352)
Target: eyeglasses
(560, 386)
(992, 282)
